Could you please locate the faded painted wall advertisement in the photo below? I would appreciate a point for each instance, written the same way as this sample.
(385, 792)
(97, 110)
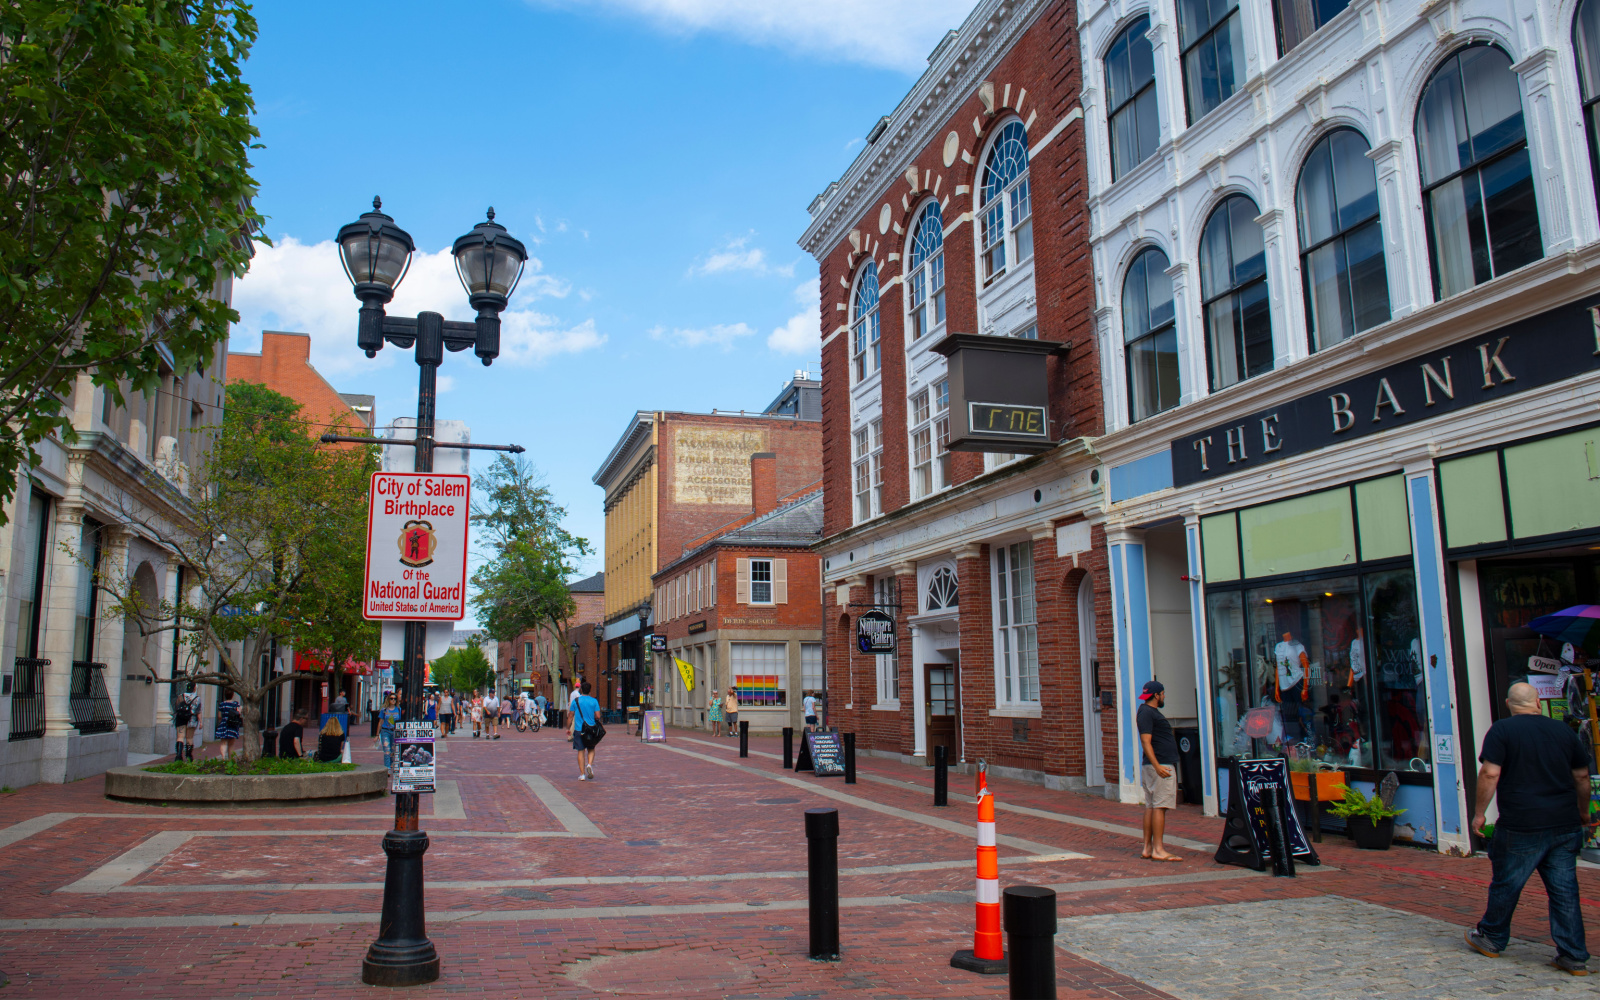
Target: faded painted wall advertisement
(712, 464)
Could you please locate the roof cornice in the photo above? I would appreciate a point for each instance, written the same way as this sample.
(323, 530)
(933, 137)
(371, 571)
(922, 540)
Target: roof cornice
(642, 422)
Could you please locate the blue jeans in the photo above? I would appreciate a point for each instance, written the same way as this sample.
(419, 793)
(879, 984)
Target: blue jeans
(386, 738)
(1517, 854)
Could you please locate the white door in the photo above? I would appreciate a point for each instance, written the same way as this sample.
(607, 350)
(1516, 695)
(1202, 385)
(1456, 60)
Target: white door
(1094, 757)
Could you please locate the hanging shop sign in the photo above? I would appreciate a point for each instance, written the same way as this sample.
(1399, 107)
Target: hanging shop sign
(417, 547)
(686, 671)
(1549, 347)
(658, 644)
(875, 632)
(999, 392)
(627, 664)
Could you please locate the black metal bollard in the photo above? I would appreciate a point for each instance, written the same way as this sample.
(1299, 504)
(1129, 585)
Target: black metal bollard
(849, 758)
(1029, 912)
(822, 870)
(941, 776)
(1277, 836)
(402, 955)
(788, 748)
(744, 738)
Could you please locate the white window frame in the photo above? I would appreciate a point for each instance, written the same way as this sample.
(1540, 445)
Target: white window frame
(770, 658)
(1005, 216)
(867, 473)
(768, 582)
(928, 411)
(925, 282)
(1016, 639)
(866, 331)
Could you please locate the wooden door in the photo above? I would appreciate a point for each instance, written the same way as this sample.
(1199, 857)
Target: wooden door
(941, 708)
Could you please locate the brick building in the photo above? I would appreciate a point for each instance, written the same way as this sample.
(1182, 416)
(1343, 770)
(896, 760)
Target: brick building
(957, 291)
(542, 661)
(673, 479)
(740, 608)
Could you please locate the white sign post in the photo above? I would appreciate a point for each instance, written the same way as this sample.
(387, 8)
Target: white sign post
(417, 547)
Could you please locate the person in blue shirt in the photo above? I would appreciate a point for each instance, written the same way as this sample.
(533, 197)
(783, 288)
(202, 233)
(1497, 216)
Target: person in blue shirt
(389, 716)
(585, 713)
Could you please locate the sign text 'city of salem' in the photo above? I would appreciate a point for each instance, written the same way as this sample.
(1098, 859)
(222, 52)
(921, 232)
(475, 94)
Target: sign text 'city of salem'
(417, 547)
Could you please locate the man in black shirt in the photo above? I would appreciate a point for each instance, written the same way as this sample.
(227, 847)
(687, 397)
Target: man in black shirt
(1160, 771)
(1541, 771)
(290, 737)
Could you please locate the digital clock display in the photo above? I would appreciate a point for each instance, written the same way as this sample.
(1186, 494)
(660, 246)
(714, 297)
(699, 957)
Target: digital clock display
(1005, 420)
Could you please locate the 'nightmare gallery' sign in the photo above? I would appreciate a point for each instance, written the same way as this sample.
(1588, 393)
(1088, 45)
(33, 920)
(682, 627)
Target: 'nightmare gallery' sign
(1546, 348)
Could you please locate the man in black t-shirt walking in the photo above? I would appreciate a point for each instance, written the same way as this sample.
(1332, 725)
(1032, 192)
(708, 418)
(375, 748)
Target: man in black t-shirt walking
(1542, 774)
(1160, 771)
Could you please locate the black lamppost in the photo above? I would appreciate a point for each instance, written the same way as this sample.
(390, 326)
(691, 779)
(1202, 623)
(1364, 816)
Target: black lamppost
(376, 255)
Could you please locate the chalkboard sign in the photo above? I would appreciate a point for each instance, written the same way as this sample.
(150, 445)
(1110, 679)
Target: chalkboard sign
(821, 753)
(1245, 837)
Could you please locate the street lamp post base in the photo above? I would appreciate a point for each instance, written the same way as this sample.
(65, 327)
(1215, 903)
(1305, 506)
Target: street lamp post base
(402, 955)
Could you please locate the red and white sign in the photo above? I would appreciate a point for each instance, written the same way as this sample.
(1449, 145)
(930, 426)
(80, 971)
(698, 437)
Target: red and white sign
(417, 547)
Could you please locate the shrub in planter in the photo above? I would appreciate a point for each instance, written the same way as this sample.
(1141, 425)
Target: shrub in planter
(1371, 823)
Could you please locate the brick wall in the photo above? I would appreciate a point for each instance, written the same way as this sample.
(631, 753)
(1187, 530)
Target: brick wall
(284, 366)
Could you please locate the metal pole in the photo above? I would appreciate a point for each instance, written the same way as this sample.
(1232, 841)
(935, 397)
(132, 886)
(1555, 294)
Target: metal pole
(1030, 916)
(1277, 838)
(403, 955)
(849, 758)
(744, 737)
(822, 870)
(941, 775)
(788, 748)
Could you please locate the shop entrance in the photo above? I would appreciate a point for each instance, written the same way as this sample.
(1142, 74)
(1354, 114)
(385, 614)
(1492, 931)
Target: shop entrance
(939, 684)
(1516, 591)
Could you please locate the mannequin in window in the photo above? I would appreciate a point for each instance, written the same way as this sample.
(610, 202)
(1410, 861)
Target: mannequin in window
(1358, 658)
(1290, 657)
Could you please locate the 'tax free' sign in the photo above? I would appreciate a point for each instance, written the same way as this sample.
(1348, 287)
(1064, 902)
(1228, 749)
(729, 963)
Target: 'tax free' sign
(417, 547)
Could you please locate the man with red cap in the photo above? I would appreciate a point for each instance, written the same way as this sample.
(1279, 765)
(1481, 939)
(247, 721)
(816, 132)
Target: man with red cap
(1160, 771)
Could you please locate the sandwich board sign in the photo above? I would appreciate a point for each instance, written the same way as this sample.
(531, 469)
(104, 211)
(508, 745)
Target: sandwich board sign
(417, 547)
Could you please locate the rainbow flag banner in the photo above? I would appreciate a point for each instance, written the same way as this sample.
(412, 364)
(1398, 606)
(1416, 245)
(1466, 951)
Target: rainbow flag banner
(758, 689)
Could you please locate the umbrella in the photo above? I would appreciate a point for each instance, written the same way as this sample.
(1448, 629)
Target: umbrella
(1579, 625)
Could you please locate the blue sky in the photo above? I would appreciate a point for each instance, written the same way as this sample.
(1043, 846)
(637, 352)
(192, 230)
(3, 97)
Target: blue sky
(656, 155)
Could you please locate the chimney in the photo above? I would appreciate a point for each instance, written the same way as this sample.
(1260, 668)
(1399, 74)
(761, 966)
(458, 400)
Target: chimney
(763, 482)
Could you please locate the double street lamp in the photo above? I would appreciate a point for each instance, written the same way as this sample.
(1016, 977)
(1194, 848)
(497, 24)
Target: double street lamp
(377, 254)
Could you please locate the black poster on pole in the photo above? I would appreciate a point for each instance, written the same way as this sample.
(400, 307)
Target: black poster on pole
(1245, 836)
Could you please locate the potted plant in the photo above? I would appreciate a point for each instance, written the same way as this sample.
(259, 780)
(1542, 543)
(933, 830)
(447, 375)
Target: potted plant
(1330, 783)
(1371, 823)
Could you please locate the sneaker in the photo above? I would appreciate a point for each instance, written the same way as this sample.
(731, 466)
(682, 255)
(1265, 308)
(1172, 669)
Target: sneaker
(1480, 944)
(591, 773)
(583, 777)
(1571, 965)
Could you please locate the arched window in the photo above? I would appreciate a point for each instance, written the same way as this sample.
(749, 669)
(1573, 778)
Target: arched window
(1233, 291)
(1341, 240)
(1586, 43)
(864, 322)
(1131, 98)
(1006, 207)
(1477, 184)
(1149, 336)
(1299, 18)
(943, 591)
(925, 272)
(1213, 53)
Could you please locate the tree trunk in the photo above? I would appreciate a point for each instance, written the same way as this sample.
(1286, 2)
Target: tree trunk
(250, 726)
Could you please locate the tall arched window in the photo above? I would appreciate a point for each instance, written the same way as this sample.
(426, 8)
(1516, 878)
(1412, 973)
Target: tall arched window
(864, 322)
(1341, 240)
(1586, 43)
(1213, 53)
(925, 272)
(1006, 208)
(1149, 336)
(1233, 291)
(1477, 184)
(1131, 98)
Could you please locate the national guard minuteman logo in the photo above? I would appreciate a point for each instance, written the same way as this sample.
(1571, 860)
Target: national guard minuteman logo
(417, 543)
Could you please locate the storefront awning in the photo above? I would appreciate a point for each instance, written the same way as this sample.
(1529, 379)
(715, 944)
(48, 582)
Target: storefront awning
(622, 627)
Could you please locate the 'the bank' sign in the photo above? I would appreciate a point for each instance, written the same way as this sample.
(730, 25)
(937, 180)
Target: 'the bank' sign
(417, 547)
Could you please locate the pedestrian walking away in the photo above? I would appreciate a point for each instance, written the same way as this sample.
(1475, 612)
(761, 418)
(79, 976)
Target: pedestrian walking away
(572, 699)
(507, 704)
(388, 717)
(1159, 773)
(808, 706)
(447, 714)
(1540, 771)
(186, 719)
(714, 716)
(291, 738)
(586, 731)
(341, 704)
(229, 721)
(491, 716)
(730, 712)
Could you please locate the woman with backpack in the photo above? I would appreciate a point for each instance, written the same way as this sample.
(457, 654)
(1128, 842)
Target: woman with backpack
(186, 719)
(229, 720)
(586, 731)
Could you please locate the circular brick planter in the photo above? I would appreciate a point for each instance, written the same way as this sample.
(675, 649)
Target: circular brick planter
(135, 784)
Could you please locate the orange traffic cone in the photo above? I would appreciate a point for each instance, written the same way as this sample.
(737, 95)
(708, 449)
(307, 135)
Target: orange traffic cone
(988, 952)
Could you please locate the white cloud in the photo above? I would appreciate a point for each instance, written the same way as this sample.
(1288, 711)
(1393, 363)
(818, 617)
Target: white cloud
(722, 335)
(893, 33)
(801, 334)
(738, 255)
(301, 288)
(444, 383)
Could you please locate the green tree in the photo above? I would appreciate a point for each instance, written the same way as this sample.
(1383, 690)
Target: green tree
(124, 153)
(522, 587)
(271, 541)
(462, 669)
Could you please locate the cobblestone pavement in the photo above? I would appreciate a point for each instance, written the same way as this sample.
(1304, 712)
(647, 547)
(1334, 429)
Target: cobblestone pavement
(680, 872)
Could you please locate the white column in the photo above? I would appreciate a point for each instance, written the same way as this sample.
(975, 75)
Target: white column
(1560, 176)
(1409, 276)
(56, 645)
(1202, 669)
(1130, 612)
(111, 629)
(1283, 287)
(165, 643)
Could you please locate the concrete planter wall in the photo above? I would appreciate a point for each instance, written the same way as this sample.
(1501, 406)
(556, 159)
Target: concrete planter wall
(135, 784)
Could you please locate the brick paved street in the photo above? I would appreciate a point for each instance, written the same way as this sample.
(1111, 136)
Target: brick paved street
(681, 873)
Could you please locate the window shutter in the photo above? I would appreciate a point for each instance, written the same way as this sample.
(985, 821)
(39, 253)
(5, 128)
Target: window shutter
(711, 584)
(742, 581)
(780, 581)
